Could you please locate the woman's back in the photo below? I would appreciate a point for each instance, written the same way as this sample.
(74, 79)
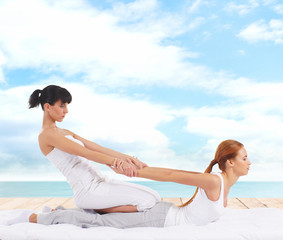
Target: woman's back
(200, 211)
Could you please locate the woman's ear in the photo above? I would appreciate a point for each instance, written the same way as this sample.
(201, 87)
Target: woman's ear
(46, 106)
(230, 162)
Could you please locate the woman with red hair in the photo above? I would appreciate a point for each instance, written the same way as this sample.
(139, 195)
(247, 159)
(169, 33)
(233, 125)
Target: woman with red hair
(205, 206)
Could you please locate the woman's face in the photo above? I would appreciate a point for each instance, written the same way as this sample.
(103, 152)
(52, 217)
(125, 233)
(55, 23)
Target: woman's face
(242, 163)
(58, 111)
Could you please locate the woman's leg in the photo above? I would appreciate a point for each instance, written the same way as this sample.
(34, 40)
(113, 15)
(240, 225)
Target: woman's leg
(122, 209)
(110, 194)
(154, 217)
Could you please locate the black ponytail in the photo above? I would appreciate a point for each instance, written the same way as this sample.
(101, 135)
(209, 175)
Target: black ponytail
(50, 94)
(34, 100)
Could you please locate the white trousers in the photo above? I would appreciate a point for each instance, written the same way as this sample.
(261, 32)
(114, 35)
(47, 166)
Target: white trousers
(111, 193)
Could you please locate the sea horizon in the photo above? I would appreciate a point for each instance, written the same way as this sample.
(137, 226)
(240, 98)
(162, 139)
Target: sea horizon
(242, 189)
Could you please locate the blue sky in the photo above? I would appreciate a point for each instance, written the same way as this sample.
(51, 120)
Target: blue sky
(166, 81)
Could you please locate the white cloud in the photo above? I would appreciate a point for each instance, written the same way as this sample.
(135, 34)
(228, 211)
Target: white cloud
(110, 117)
(252, 114)
(242, 9)
(73, 37)
(40, 172)
(135, 10)
(115, 121)
(278, 8)
(2, 62)
(144, 16)
(94, 43)
(79, 39)
(196, 4)
(196, 23)
(262, 31)
(130, 125)
(268, 2)
(116, 118)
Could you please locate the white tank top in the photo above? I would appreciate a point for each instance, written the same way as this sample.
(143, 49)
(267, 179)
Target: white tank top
(199, 212)
(77, 170)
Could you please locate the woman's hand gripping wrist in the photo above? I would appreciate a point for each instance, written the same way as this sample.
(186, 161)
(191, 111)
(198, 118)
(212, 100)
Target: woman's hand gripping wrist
(135, 161)
(124, 167)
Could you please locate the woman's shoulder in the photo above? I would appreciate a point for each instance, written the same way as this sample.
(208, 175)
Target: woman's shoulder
(217, 177)
(46, 132)
(214, 180)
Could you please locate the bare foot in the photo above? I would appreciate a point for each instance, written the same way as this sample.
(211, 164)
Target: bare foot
(33, 218)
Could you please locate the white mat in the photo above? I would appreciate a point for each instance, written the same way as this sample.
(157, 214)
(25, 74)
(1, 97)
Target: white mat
(258, 223)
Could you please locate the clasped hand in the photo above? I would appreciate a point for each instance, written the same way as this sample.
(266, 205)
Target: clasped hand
(128, 167)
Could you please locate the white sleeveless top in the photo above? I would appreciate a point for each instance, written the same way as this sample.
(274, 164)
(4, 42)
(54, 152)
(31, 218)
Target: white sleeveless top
(200, 211)
(77, 170)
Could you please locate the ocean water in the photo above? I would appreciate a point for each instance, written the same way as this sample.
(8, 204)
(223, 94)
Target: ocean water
(165, 189)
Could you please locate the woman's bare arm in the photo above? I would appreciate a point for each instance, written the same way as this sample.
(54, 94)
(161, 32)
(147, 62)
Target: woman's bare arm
(107, 151)
(54, 139)
(98, 148)
(203, 180)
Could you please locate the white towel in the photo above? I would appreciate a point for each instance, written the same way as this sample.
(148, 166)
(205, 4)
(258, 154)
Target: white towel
(254, 224)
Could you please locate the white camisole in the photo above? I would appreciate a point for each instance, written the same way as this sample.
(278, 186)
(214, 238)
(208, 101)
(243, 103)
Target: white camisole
(77, 170)
(199, 212)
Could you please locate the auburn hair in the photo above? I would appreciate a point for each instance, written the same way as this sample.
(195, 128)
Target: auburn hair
(227, 149)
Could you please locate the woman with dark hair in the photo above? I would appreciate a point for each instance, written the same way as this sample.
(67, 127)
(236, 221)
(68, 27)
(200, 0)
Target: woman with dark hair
(206, 206)
(72, 155)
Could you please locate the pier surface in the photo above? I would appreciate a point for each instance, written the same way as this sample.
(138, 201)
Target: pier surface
(38, 203)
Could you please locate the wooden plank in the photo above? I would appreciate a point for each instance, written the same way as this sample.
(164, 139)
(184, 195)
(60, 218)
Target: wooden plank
(4, 200)
(252, 203)
(69, 203)
(13, 203)
(176, 201)
(272, 202)
(34, 203)
(3, 203)
(52, 202)
(235, 204)
(278, 199)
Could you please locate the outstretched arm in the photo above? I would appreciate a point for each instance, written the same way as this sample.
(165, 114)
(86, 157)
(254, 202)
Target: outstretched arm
(54, 139)
(203, 180)
(96, 147)
(110, 152)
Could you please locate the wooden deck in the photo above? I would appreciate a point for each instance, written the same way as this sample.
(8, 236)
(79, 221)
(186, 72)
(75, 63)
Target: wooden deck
(38, 203)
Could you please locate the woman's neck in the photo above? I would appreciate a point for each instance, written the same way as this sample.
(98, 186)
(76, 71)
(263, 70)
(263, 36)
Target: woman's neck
(48, 122)
(229, 179)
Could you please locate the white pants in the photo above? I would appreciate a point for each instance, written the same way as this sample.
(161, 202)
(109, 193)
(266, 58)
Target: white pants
(112, 193)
